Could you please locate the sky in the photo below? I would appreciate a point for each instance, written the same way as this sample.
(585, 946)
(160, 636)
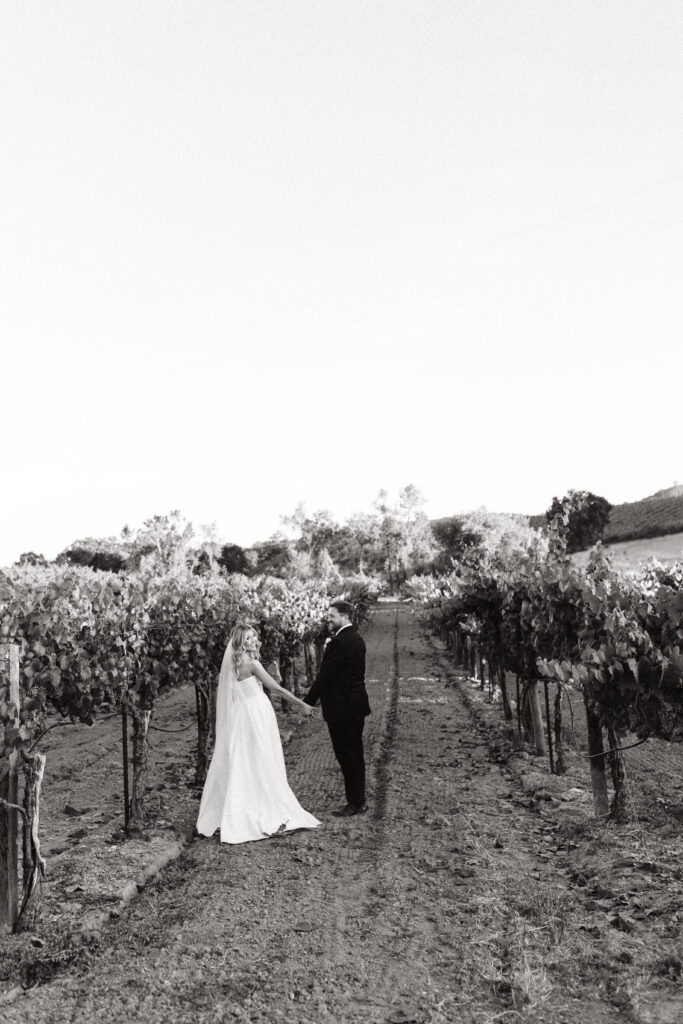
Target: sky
(255, 253)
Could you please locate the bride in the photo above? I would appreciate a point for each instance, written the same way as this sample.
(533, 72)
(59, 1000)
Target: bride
(246, 793)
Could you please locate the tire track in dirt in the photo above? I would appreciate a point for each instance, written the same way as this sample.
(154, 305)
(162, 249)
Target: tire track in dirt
(352, 864)
(385, 739)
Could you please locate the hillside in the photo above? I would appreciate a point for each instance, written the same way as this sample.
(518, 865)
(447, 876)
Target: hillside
(630, 555)
(651, 517)
(669, 492)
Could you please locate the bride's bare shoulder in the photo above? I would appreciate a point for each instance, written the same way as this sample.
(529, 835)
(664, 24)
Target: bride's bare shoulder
(249, 666)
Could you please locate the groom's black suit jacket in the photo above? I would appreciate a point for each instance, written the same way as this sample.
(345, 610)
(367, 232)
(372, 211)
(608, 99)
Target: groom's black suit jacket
(340, 682)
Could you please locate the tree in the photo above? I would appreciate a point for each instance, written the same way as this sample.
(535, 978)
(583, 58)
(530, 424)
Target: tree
(419, 546)
(315, 531)
(389, 538)
(233, 558)
(31, 558)
(274, 556)
(199, 562)
(325, 569)
(203, 559)
(363, 531)
(405, 535)
(499, 533)
(455, 539)
(344, 550)
(107, 554)
(162, 540)
(581, 517)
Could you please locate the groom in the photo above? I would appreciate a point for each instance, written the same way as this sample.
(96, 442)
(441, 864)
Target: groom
(340, 686)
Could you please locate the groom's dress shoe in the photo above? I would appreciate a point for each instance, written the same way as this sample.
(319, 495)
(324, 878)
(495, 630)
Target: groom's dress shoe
(344, 812)
(349, 810)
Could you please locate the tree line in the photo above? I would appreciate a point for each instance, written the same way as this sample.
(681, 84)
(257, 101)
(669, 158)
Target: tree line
(392, 541)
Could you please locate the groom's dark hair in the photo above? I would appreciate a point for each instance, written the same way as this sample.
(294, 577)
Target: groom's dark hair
(343, 607)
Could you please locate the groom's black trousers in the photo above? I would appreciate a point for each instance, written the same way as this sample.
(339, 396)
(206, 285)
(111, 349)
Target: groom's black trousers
(347, 742)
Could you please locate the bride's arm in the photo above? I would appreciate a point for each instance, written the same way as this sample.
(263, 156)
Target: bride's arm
(257, 668)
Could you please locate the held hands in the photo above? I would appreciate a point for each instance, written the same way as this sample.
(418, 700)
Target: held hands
(310, 711)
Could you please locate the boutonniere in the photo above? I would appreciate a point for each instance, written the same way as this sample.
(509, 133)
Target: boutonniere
(326, 642)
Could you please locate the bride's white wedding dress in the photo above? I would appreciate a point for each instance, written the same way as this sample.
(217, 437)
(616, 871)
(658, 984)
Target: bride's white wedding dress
(246, 793)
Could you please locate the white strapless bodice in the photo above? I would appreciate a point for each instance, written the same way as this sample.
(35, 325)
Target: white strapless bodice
(250, 686)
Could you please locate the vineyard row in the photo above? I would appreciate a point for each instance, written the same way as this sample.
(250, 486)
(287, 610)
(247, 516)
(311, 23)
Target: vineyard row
(80, 644)
(613, 639)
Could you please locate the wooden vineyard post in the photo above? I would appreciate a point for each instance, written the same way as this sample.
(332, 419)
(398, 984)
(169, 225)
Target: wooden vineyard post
(503, 683)
(560, 760)
(286, 678)
(205, 726)
(124, 744)
(124, 748)
(9, 791)
(618, 810)
(141, 720)
(296, 677)
(309, 654)
(550, 731)
(536, 716)
(596, 753)
(33, 863)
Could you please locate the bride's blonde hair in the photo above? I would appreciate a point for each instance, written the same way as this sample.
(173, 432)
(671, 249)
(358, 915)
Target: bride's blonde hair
(238, 636)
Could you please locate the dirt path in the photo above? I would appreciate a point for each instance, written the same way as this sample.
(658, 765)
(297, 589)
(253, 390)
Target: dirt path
(449, 901)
